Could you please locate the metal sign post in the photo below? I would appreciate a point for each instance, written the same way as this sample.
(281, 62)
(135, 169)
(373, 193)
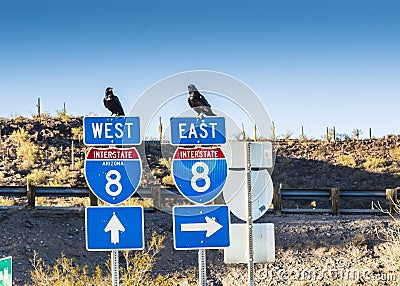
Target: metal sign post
(202, 267)
(250, 263)
(114, 268)
(199, 174)
(113, 175)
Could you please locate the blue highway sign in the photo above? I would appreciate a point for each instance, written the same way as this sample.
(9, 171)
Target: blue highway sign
(199, 173)
(111, 130)
(198, 131)
(113, 174)
(201, 227)
(114, 228)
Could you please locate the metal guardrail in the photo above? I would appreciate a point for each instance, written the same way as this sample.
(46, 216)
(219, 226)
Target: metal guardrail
(158, 194)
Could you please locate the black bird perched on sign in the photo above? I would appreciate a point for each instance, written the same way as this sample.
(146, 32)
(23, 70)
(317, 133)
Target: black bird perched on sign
(112, 103)
(198, 102)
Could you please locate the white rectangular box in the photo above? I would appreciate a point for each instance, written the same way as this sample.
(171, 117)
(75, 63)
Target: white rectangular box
(261, 154)
(263, 243)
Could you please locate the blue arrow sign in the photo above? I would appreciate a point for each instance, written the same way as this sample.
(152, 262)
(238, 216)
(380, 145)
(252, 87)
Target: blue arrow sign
(199, 173)
(113, 174)
(197, 131)
(201, 227)
(114, 228)
(111, 130)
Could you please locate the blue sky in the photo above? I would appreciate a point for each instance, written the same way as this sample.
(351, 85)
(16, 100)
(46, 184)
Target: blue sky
(313, 63)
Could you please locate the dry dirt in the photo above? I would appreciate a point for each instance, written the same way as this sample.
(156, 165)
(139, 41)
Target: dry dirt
(310, 249)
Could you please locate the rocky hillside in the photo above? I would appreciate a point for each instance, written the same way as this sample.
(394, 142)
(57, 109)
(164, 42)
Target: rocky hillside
(363, 164)
(49, 151)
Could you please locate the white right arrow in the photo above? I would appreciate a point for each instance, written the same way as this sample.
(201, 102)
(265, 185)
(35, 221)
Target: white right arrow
(114, 226)
(211, 226)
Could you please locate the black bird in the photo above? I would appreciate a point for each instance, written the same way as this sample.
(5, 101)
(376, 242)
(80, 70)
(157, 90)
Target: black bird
(112, 103)
(198, 102)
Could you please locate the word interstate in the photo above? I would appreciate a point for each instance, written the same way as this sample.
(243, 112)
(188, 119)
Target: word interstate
(199, 153)
(112, 154)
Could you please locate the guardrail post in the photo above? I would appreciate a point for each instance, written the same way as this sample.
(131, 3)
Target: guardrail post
(30, 194)
(391, 197)
(93, 199)
(335, 199)
(277, 200)
(156, 196)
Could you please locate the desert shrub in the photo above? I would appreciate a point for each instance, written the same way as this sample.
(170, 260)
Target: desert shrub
(37, 177)
(158, 172)
(346, 160)
(19, 136)
(27, 151)
(77, 132)
(374, 163)
(62, 115)
(303, 138)
(395, 153)
(29, 154)
(165, 162)
(287, 137)
(65, 272)
(135, 270)
(144, 202)
(61, 162)
(79, 164)
(320, 152)
(168, 181)
(6, 201)
(390, 233)
(62, 177)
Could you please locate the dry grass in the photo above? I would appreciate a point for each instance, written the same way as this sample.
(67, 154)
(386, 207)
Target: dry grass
(372, 163)
(346, 160)
(7, 201)
(62, 202)
(136, 270)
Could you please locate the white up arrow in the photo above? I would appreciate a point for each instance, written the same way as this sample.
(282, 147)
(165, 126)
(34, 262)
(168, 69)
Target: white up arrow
(114, 226)
(211, 226)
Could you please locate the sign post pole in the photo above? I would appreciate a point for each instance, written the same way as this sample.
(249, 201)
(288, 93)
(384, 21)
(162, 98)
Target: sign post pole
(114, 268)
(250, 263)
(113, 175)
(199, 174)
(202, 268)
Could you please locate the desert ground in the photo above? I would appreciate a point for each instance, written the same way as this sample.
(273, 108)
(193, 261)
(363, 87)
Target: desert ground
(310, 249)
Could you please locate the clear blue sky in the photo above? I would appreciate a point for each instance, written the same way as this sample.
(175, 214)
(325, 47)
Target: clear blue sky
(313, 63)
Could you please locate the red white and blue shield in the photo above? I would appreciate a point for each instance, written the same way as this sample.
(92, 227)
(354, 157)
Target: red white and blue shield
(199, 173)
(113, 174)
